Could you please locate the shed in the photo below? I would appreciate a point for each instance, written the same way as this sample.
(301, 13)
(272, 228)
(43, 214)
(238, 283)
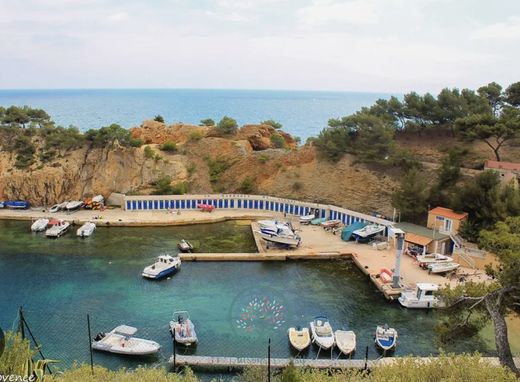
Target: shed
(425, 240)
(445, 220)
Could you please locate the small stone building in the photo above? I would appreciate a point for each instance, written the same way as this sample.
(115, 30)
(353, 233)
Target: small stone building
(509, 171)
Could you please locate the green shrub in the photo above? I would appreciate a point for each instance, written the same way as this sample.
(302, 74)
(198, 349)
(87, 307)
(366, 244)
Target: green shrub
(159, 118)
(17, 352)
(196, 136)
(169, 146)
(163, 186)
(297, 186)
(248, 185)
(108, 135)
(191, 169)
(217, 167)
(25, 150)
(227, 126)
(277, 141)
(207, 122)
(272, 123)
(136, 142)
(149, 153)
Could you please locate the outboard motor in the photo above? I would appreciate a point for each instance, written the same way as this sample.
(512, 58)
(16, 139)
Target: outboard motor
(99, 336)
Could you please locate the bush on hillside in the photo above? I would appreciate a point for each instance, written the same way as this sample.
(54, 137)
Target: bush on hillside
(277, 141)
(207, 122)
(159, 118)
(227, 126)
(169, 146)
(272, 123)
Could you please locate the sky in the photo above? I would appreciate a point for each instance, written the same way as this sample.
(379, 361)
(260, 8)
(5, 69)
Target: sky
(343, 45)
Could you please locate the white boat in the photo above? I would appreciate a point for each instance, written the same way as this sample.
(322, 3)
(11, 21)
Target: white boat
(364, 234)
(185, 246)
(164, 265)
(386, 338)
(58, 229)
(274, 226)
(98, 199)
(290, 240)
(40, 225)
(307, 218)
(58, 207)
(182, 329)
(73, 205)
(345, 341)
(299, 338)
(120, 341)
(86, 229)
(422, 297)
(431, 258)
(322, 334)
(442, 267)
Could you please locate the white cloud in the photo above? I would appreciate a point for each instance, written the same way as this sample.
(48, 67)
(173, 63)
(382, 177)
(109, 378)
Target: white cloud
(508, 30)
(117, 17)
(326, 11)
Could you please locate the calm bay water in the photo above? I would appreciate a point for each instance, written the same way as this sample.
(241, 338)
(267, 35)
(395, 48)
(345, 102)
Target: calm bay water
(303, 113)
(236, 307)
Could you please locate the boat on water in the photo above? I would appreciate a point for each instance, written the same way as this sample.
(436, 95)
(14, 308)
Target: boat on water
(330, 223)
(163, 266)
(74, 205)
(299, 338)
(421, 297)
(365, 234)
(307, 218)
(183, 329)
(17, 204)
(321, 332)
(345, 341)
(86, 229)
(120, 341)
(185, 246)
(386, 337)
(442, 267)
(433, 258)
(40, 225)
(58, 229)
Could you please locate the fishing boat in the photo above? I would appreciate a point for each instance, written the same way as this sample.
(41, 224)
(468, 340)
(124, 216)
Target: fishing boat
(74, 205)
(386, 338)
(287, 239)
(345, 341)
(421, 297)
(307, 218)
(432, 258)
(86, 229)
(17, 204)
(58, 229)
(163, 266)
(442, 267)
(185, 246)
(299, 338)
(120, 341)
(363, 235)
(182, 329)
(322, 334)
(205, 207)
(330, 223)
(40, 225)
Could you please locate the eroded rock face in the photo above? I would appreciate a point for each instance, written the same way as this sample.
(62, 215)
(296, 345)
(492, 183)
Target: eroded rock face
(260, 136)
(153, 132)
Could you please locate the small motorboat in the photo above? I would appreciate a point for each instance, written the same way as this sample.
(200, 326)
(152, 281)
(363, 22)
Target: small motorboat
(299, 338)
(345, 341)
(386, 338)
(329, 224)
(432, 258)
(205, 207)
(287, 239)
(366, 233)
(164, 265)
(322, 334)
(182, 329)
(185, 246)
(442, 267)
(421, 297)
(74, 205)
(58, 207)
(40, 225)
(307, 218)
(58, 229)
(120, 341)
(86, 229)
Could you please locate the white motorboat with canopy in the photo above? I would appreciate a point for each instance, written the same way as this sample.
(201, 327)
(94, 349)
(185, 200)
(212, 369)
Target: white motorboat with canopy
(182, 329)
(120, 341)
(40, 225)
(322, 334)
(163, 266)
(421, 297)
(86, 229)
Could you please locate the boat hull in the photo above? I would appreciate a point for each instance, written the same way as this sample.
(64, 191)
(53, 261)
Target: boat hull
(299, 339)
(162, 274)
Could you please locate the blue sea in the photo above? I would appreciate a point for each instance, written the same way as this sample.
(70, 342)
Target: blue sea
(302, 113)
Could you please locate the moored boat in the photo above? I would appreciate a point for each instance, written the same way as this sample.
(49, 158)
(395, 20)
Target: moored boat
(433, 258)
(421, 297)
(318, 221)
(330, 223)
(299, 338)
(58, 229)
(163, 266)
(366, 233)
(345, 341)
(442, 267)
(86, 229)
(291, 240)
(183, 329)
(185, 246)
(307, 218)
(74, 205)
(40, 225)
(120, 341)
(17, 204)
(322, 334)
(386, 337)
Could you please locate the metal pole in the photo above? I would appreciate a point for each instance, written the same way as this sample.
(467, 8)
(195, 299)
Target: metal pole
(20, 323)
(35, 343)
(90, 345)
(366, 358)
(399, 234)
(269, 360)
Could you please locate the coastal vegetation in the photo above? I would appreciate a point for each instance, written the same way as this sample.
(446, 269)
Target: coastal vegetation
(227, 126)
(164, 186)
(207, 122)
(272, 123)
(158, 118)
(169, 146)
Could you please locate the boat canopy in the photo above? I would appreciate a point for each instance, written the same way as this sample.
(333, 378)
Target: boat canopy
(125, 330)
(346, 233)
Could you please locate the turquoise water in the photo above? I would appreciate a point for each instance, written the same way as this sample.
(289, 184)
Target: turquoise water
(303, 113)
(236, 307)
